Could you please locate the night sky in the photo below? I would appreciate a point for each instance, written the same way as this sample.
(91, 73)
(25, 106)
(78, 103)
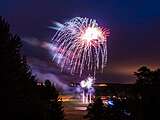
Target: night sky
(134, 27)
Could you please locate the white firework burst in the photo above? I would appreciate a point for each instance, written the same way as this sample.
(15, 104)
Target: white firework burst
(82, 45)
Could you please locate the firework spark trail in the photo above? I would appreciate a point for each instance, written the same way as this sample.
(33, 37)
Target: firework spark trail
(83, 45)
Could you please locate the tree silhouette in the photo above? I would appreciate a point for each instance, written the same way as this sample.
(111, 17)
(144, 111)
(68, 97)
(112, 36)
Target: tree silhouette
(19, 90)
(147, 86)
(96, 110)
(54, 108)
(147, 81)
(115, 110)
(25, 100)
(144, 77)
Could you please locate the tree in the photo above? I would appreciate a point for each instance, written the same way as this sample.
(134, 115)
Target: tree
(156, 78)
(19, 84)
(54, 108)
(147, 81)
(25, 100)
(147, 86)
(52, 104)
(143, 75)
(96, 110)
(114, 109)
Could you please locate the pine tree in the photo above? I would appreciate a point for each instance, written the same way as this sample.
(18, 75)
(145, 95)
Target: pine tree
(147, 86)
(54, 109)
(96, 110)
(25, 100)
(19, 84)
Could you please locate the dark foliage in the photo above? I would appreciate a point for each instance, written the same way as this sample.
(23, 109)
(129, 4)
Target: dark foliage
(118, 111)
(22, 98)
(18, 89)
(96, 110)
(54, 108)
(147, 87)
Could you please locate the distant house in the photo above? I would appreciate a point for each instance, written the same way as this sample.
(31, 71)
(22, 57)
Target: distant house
(113, 89)
(110, 89)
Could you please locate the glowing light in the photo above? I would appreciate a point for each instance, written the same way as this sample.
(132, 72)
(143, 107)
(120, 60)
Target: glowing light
(91, 34)
(87, 90)
(110, 102)
(80, 108)
(101, 85)
(83, 84)
(87, 83)
(82, 44)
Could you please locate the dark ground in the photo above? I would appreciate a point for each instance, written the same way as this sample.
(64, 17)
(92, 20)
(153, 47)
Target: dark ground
(74, 109)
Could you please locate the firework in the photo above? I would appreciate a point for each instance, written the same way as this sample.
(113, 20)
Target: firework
(82, 45)
(87, 90)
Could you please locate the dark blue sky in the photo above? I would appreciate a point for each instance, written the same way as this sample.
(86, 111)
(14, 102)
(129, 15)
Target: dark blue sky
(134, 26)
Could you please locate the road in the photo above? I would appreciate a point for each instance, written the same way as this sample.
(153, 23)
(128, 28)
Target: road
(73, 108)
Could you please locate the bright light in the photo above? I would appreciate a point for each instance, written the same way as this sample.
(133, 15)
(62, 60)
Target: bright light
(83, 45)
(87, 90)
(87, 83)
(110, 102)
(91, 33)
(83, 84)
